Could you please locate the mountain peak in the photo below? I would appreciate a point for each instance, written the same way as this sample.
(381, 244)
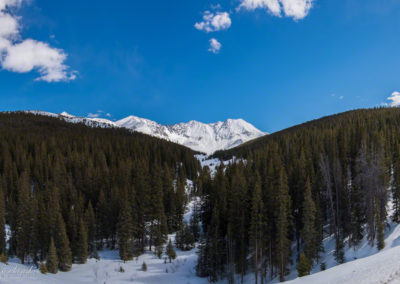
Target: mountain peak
(66, 114)
(199, 136)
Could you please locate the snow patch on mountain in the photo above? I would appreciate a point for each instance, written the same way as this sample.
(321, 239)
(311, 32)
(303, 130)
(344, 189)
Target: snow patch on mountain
(202, 137)
(214, 163)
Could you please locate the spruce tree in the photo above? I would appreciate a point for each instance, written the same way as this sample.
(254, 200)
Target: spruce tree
(125, 232)
(62, 244)
(380, 232)
(304, 265)
(170, 251)
(82, 243)
(283, 224)
(256, 227)
(52, 259)
(395, 186)
(2, 223)
(43, 268)
(308, 232)
(90, 220)
(23, 221)
(184, 238)
(180, 200)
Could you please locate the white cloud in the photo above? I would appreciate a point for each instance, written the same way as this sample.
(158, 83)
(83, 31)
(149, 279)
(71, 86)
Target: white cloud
(98, 114)
(31, 54)
(93, 115)
(272, 6)
(24, 56)
(215, 46)
(297, 9)
(395, 98)
(214, 22)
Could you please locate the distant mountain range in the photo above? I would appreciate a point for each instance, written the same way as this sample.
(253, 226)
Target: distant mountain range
(202, 137)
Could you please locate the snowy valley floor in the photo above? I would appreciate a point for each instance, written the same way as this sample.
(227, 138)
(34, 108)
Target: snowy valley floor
(369, 267)
(365, 265)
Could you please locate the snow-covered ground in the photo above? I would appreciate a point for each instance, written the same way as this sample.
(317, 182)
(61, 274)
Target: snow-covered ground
(383, 267)
(214, 163)
(370, 267)
(107, 269)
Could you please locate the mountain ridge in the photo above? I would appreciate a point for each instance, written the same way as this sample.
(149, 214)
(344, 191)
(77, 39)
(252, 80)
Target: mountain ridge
(199, 136)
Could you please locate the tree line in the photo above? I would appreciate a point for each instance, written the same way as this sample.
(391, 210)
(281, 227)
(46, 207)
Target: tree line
(273, 206)
(67, 190)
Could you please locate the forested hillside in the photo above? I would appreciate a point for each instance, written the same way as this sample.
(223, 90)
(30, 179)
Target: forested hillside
(332, 176)
(68, 190)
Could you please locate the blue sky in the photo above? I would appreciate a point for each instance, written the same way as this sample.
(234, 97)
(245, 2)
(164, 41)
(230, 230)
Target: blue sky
(147, 58)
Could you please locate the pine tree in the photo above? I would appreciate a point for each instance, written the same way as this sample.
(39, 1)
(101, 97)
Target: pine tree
(396, 188)
(283, 224)
(170, 251)
(169, 199)
(23, 221)
(82, 245)
(103, 214)
(195, 222)
(184, 238)
(339, 249)
(144, 266)
(2, 223)
(380, 232)
(63, 248)
(3, 258)
(125, 232)
(180, 200)
(304, 265)
(90, 220)
(159, 251)
(256, 227)
(308, 232)
(43, 268)
(52, 260)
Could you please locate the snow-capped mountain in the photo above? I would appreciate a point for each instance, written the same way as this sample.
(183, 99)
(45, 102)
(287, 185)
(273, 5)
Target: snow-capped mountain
(202, 137)
(206, 138)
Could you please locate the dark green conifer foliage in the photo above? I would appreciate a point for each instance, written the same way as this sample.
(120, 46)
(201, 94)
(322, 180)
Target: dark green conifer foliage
(283, 224)
(2, 223)
(43, 268)
(184, 238)
(380, 231)
(180, 200)
(144, 266)
(24, 218)
(170, 251)
(308, 232)
(348, 159)
(52, 259)
(256, 227)
(125, 232)
(90, 222)
(304, 265)
(82, 243)
(63, 247)
(195, 223)
(396, 187)
(3, 258)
